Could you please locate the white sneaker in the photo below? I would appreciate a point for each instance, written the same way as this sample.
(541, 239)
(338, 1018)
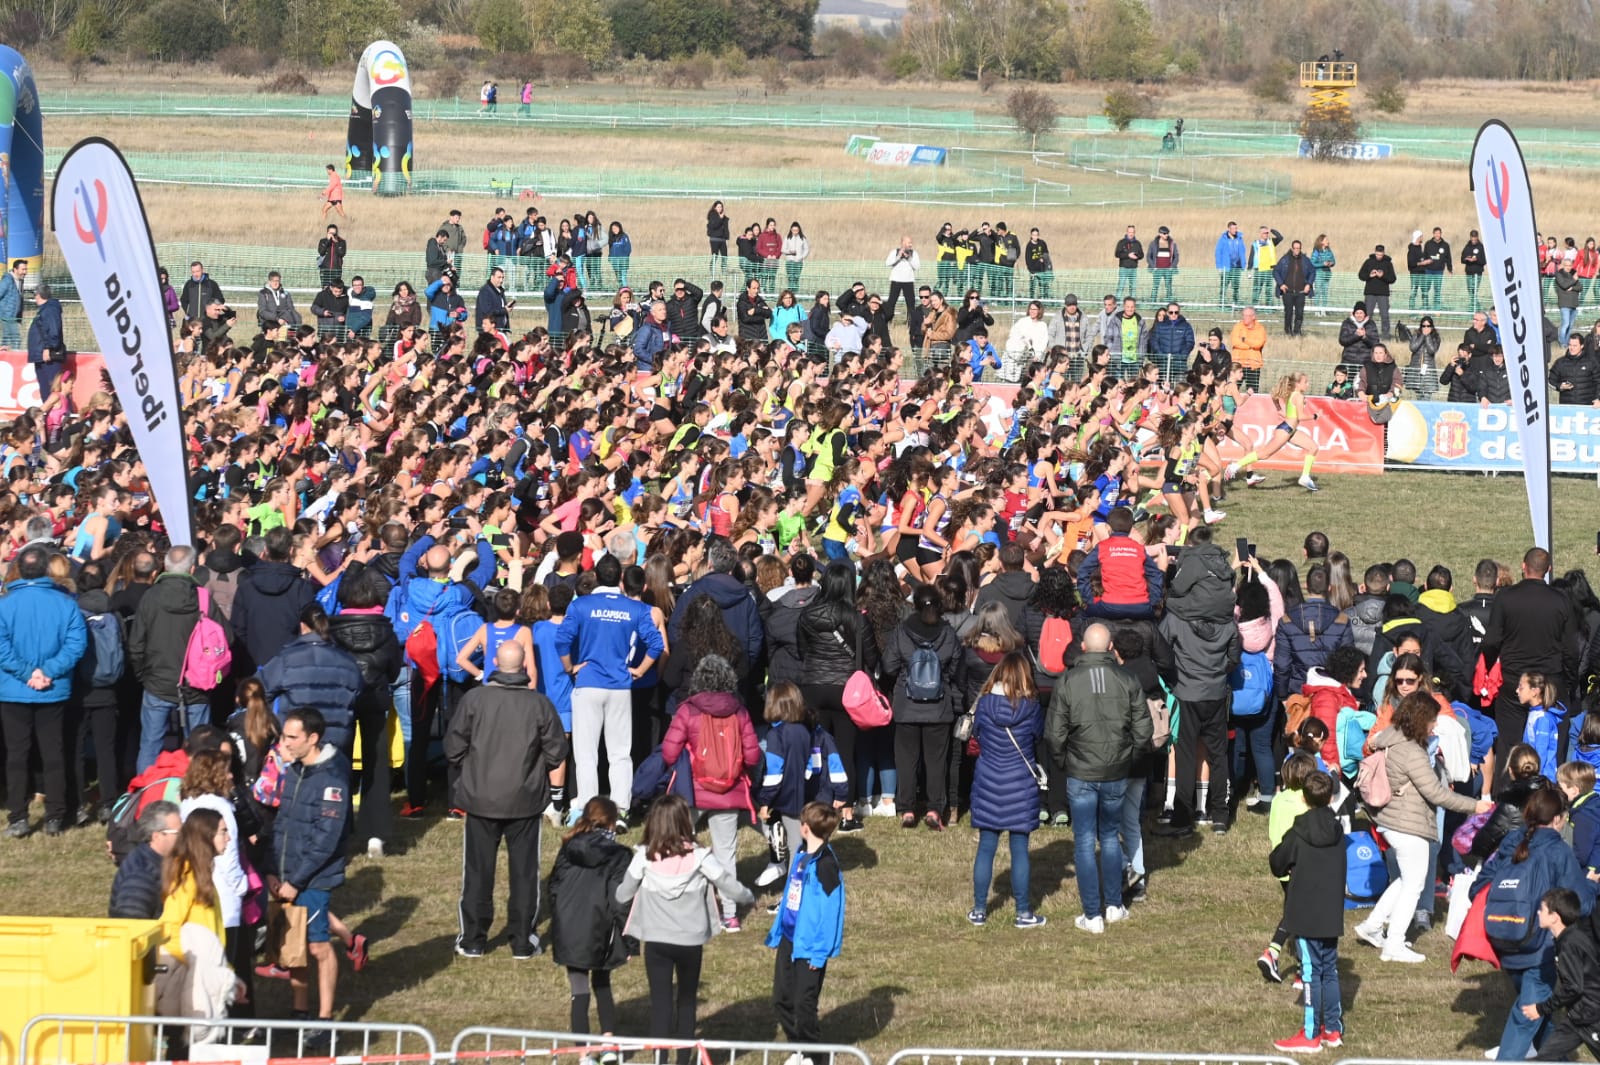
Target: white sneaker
(1093, 925)
(1402, 954)
(1307, 483)
(1214, 516)
(1372, 937)
(1255, 479)
(885, 808)
(1230, 471)
(1116, 913)
(553, 815)
(374, 847)
(771, 873)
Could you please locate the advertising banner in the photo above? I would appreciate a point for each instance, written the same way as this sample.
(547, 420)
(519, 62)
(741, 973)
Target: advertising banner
(887, 153)
(1347, 441)
(19, 386)
(1504, 199)
(1462, 436)
(101, 228)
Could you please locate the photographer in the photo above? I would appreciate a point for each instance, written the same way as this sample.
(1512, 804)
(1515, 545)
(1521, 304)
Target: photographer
(1460, 378)
(903, 263)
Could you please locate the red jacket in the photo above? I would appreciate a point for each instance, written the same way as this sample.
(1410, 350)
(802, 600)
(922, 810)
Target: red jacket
(684, 733)
(1328, 697)
(769, 245)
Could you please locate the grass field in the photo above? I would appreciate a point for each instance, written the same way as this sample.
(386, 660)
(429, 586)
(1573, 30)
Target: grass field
(1179, 976)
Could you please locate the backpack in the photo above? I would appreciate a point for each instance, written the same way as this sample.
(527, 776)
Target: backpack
(1296, 709)
(268, 782)
(102, 666)
(328, 596)
(865, 703)
(207, 658)
(454, 633)
(924, 674)
(485, 238)
(1252, 685)
(1372, 779)
(717, 760)
(122, 828)
(1054, 640)
(1511, 912)
(1160, 723)
(1366, 876)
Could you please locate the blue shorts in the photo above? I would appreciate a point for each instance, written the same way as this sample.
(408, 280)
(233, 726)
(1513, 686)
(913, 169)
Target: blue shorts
(316, 904)
(835, 550)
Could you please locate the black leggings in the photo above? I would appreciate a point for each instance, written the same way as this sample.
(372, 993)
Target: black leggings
(827, 700)
(672, 1015)
(581, 981)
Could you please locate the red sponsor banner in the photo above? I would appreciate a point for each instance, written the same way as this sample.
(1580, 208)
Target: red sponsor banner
(19, 385)
(1347, 441)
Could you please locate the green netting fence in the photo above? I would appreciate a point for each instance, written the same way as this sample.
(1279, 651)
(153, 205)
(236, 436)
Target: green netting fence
(1142, 144)
(975, 178)
(241, 271)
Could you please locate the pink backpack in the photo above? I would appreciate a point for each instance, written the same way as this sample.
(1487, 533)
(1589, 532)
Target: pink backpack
(207, 658)
(865, 703)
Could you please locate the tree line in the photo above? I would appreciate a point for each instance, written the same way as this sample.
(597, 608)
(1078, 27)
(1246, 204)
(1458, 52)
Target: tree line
(1138, 41)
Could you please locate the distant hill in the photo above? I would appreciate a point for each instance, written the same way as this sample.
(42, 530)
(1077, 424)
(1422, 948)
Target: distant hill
(868, 14)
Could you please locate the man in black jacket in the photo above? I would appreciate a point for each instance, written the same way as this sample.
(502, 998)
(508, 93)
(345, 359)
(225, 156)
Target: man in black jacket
(1356, 337)
(158, 641)
(1575, 376)
(754, 314)
(1460, 375)
(1490, 383)
(199, 291)
(1377, 275)
(1480, 335)
(511, 751)
(266, 609)
(683, 310)
(492, 305)
(1477, 609)
(1531, 630)
(331, 307)
(1128, 253)
(1012, 588)
(136, 893)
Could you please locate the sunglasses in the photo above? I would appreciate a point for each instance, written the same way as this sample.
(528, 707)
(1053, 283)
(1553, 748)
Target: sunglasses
(1398, 679)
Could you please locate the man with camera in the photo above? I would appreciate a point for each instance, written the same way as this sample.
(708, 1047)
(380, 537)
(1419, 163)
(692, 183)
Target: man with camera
(903, 263)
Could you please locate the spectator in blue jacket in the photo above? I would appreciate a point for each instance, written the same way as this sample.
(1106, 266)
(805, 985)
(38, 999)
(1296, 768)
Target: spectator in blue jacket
(809, 927)
(739, 610)
(1172, 342)
(801, 765)
(46, 344)
(358, 319)
(42, 637)
(444, 304)
(650, 338)
(620, 247)
(1231, 256)
(136, 889)
(1307, 635)
(312, 671)
(981, 354)
(306, 859)
(11, 304)
(492, 305)
(1005, 792)
(434, 596)
(596, 641)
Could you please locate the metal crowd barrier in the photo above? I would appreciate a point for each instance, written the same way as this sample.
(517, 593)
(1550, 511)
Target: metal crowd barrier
(994, 1056)
(503, 1044)
(88, 1039)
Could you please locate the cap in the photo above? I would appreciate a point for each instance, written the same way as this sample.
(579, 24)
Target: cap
(1416, 233)
(1164, 229)
(1071, 300)
(1379, 247)
(569, 544)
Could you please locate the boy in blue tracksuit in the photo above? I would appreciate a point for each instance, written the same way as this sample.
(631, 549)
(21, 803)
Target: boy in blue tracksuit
(1576, 780)
(809, 928)
(596, 641)
(801, 765)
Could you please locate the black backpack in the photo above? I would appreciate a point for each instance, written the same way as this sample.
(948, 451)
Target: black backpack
(924, 673)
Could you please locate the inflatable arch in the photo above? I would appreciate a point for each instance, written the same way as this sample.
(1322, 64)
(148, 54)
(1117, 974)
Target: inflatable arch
(379, 140)
(21, 163)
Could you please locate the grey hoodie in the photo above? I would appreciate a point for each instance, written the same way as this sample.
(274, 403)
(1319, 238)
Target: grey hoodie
(672, 897)
(1366, 618)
